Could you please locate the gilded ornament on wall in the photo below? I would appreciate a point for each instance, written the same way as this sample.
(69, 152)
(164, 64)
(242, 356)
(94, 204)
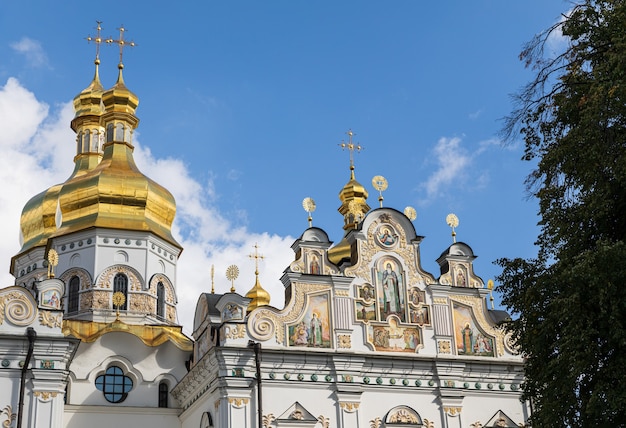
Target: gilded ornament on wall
(348, 406)
(268, 420)
(345, 341)
(238, 402)
(49, 319)
(452, 411)
(444, 346)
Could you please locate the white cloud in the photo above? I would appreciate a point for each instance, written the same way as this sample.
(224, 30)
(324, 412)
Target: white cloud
(452, 162)
(38, 149)
(32, 50)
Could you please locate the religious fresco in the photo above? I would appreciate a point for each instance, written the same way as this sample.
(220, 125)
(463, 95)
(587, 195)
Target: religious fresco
(394, 337)
(416, 296)
(420, 315)
(391, 289)
(313, 329)
(386, 236)
(50, 299)
(460, 276)
(232, 312)
(314, 264)
(470, 340)
(365, 312)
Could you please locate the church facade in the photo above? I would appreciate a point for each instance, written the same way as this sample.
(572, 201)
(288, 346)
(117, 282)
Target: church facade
(367, 338)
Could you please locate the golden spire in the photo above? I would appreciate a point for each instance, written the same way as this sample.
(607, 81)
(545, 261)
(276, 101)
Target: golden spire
(212, 279)
(490, 287)
(353, 207)
(353, 195)
(259, 296)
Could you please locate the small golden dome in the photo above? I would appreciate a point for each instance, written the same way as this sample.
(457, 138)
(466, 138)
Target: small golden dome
(119, 98)
(354, 206)
(37, 222)
(89, 101)
(259, 296)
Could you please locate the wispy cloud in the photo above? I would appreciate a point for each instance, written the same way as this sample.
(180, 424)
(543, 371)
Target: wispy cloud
(451, 162)
(37, 152)
(475, 115)
(32, 50)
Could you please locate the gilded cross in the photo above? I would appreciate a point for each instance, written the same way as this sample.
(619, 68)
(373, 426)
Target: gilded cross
(351, 147)
(97, 40)
(121, 42)
(256, 256)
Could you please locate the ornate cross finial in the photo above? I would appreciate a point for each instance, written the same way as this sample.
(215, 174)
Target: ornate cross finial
(452, 221)
(351, 147)
(97, 40)
(121, 42)
(256, 256)
(309, 206)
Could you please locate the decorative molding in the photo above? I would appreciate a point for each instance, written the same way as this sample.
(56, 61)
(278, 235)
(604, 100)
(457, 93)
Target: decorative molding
(349, 406)
(510, 345)
(48, 319)
(83, 277)
(45, 395)
(238, 402)
(342, 293)
(237, 331)
(452, 411)
(17, 308)
(444, 347)
(428, 424)
(268, 420)
(440, 300)
(344, 341)
(403, 416)
(376, 423)
(324, 421)
(8, 411)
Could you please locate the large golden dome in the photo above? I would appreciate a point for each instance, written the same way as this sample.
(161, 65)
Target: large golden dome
(115, 194)
(106, 189)
(37, 222)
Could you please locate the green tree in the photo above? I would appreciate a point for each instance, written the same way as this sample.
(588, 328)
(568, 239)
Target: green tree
(569, 302)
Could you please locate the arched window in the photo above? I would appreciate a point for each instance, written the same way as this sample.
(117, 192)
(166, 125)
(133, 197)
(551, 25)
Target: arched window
(160, 310)
(114, 384)
(120, 283)
(163, 394)
(72, 295)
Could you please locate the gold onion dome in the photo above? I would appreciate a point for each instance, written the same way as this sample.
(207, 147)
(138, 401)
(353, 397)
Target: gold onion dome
(353, 207)
(259, 296)
(37, 222)
(115, 194)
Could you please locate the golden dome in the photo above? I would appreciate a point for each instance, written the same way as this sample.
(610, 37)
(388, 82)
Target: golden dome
(259, 296)
(115, 194)
(353, 207)
(37, 222)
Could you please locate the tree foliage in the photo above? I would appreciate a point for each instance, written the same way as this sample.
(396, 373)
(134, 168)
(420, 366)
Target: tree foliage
(570, 300)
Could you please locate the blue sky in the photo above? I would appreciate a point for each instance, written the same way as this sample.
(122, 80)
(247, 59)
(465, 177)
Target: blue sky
(243, 105)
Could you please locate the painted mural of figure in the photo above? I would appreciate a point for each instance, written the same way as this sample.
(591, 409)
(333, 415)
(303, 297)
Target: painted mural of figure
(386, 238)
(316, 330)
(315, 266)
(391, 291)
(467, 338)
(300, 334)
(460, 279)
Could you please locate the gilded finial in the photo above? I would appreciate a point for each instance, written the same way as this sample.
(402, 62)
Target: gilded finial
(121, 42)
(97, 40)
(53, 260)
(232, 272)
(410, 213)
(355, 208)
(118, 301)
(212, 279)
(453, 221)
(490, 287)
(380, 183)
(309, 206)
(351, 147)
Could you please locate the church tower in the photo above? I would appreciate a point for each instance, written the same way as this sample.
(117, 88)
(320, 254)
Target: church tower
(109, 223)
